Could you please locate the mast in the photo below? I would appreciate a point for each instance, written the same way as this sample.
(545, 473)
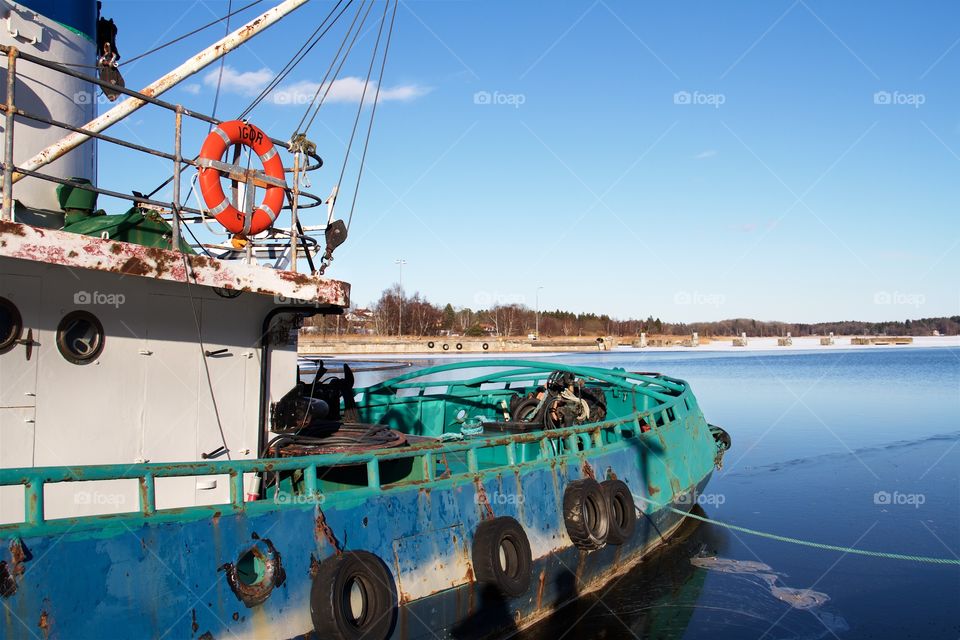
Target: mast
(193, 65)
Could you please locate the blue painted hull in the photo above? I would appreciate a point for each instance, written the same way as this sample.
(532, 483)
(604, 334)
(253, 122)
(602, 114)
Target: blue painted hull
(165, 579)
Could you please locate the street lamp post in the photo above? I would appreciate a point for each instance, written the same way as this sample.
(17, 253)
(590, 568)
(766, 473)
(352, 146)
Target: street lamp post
(536, 330)
(400, 262)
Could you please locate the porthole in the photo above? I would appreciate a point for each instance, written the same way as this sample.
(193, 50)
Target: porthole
(80, 337)
(11, 325)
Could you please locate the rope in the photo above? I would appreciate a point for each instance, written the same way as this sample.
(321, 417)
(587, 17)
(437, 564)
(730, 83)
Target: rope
(373, 113)
(298, 56)
(324, 85)
(195, 31)
(203, 354)
(363, 96)
(819, 545)
(223, 61)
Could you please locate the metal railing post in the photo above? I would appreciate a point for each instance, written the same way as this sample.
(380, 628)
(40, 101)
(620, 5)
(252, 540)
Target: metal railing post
(176, 178)
(8, 136)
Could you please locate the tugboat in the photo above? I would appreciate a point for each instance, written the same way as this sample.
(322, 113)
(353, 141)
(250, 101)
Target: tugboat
(166, 471)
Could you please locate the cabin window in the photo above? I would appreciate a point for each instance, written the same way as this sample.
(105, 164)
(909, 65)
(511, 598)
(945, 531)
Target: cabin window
(11, 325)
(80, 337)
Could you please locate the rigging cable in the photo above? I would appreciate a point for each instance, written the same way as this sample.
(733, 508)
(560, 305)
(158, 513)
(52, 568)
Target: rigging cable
(373, 113)
(278, 78)
(298, 56)
(203, 355)
(326, 86)
(194, 32)
(363, 95)
(223, 61)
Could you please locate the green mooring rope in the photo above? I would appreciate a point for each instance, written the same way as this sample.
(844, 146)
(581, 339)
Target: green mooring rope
(820, 545)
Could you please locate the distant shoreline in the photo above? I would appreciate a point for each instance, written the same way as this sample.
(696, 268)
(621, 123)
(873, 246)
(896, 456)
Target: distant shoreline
(715, 345)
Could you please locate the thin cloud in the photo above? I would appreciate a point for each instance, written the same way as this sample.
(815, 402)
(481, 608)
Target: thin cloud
(247, 83)
(707, 153)
(192, 89)
(345, 90)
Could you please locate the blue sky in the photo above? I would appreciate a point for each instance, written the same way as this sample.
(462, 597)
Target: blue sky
(781, 160)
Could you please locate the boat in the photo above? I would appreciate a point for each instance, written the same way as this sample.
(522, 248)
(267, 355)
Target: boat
(167, 469)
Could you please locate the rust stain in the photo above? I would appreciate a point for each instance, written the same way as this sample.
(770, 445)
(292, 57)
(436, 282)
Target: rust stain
(44, 624)
(653, 489)
(540, 585)
(482, 499)
(322, 529)
(194, 625)
(588, 471)
(12, 228)
(135, 266)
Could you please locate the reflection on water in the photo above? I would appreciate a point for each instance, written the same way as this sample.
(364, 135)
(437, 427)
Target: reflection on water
(851, 447)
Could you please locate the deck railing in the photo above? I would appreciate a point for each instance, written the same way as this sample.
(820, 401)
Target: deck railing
(175, 212)
(555, 443)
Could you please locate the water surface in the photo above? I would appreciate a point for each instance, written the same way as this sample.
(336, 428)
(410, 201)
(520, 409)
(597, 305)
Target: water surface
(853, 447)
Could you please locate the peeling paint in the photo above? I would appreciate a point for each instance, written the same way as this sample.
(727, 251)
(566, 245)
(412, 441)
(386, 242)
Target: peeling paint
(23, 242)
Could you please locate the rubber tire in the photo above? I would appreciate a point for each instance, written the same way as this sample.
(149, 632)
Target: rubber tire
(446, 347)
(485, 346)
(586, 514)
(512, 581)
(430, 345)
(459, 347)
(623, 511)
(328, 606)
(524, 407)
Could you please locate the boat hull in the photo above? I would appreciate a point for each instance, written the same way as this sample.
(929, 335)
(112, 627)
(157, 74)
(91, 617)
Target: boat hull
(167, 577)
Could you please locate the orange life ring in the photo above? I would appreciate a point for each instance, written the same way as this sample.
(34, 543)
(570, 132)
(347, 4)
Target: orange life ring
(218, 141)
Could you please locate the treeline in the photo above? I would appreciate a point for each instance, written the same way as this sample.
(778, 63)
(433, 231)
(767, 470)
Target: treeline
(414, 315)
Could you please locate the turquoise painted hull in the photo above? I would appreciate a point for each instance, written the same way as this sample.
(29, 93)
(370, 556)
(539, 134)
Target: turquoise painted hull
(162, 574)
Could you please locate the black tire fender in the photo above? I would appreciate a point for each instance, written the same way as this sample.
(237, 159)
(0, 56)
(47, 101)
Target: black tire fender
(336, 581)
(502, 557)
(521, 412)
(586, 514)
(623, 511)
